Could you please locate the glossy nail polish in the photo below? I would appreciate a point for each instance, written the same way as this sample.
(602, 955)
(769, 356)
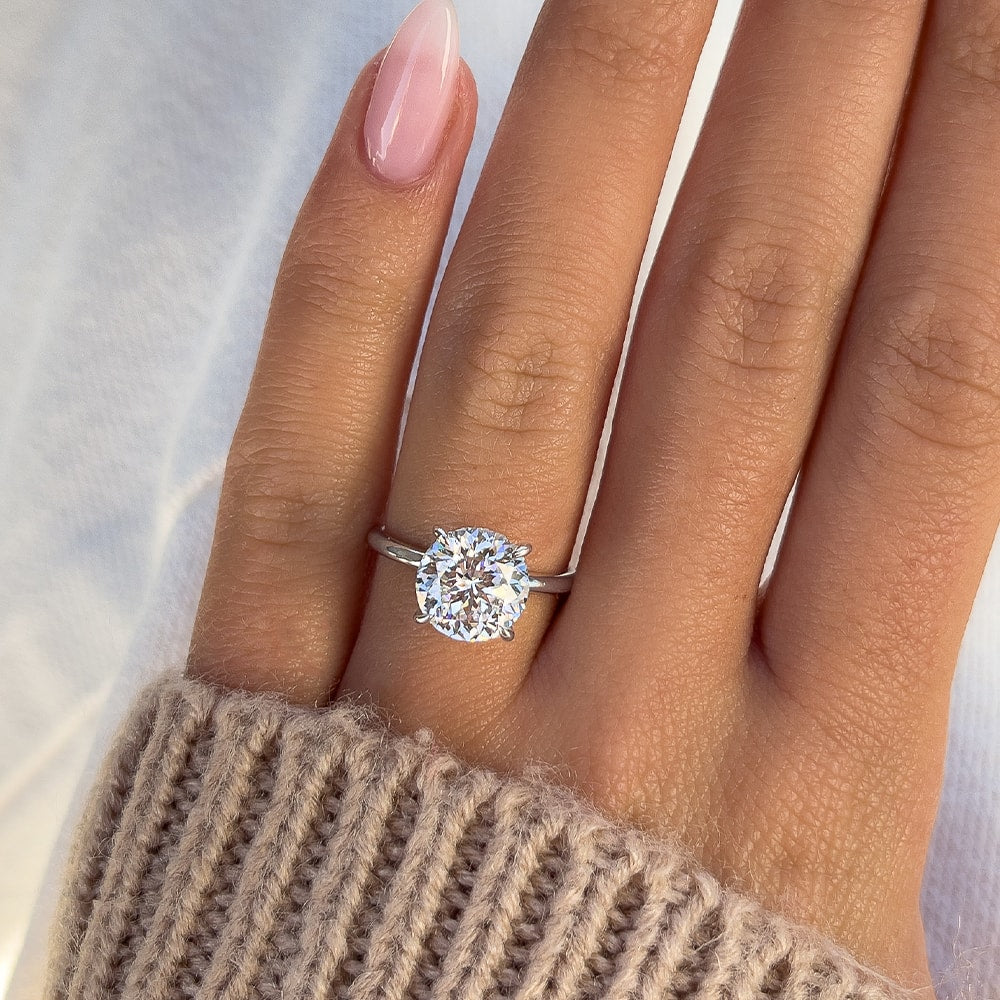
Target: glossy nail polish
(413, 94)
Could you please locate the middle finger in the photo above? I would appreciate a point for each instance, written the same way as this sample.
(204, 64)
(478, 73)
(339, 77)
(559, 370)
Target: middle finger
(743, 309)
(522, 346)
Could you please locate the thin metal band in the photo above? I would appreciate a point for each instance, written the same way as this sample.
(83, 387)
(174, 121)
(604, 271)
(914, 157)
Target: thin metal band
(386, 545)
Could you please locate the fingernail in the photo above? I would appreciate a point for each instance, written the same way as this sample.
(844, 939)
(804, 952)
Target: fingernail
(413, 93)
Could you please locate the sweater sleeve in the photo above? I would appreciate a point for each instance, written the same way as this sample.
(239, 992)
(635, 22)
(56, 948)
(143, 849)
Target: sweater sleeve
(236, 846)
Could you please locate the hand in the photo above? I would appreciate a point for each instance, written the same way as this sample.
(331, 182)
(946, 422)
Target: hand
(807, 311)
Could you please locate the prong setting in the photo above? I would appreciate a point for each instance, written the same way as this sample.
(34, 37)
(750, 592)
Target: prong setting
(472, 584)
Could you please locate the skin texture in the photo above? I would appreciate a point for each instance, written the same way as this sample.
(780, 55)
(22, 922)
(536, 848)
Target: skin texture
(823, 304)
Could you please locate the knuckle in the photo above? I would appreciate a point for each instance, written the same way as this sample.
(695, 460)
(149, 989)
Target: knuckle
(275, 499)
(757, 303)
(331, 287)
(937, 373)
(629, 42)
(328, 285)
(520, 376)
(971, 46)
(333, 269)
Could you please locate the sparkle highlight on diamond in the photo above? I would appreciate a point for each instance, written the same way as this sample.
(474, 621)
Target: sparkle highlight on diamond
(472, 584)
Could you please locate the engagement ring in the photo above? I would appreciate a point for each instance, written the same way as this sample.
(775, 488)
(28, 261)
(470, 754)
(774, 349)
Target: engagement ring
(472, 583)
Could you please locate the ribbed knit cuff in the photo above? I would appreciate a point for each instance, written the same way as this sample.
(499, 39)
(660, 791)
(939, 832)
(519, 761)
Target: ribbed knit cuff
(235, 846)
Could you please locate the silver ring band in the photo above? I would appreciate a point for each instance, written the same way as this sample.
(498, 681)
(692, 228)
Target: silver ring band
(393, 548)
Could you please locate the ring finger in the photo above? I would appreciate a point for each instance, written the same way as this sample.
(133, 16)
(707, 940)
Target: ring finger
(522, 346)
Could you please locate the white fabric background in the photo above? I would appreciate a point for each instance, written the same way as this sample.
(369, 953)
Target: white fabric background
(152, 157)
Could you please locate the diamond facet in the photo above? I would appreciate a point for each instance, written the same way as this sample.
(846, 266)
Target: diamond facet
(472, 584)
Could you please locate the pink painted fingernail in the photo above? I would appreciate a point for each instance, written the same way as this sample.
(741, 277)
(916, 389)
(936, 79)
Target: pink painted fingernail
(413, 93)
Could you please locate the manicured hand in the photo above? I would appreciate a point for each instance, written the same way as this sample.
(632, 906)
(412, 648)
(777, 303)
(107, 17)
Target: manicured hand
(825, 302)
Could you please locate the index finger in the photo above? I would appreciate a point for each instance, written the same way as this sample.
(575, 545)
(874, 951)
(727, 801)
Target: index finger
(309, 467)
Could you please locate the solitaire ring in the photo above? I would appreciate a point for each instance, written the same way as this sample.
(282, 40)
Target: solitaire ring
(472, 583)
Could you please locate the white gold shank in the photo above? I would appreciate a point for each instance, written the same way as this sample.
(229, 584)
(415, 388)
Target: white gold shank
(559, 583)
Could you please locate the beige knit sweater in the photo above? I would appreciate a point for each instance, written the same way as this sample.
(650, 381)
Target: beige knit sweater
(235, 846)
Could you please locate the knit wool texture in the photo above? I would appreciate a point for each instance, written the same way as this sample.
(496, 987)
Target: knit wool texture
(236, 846)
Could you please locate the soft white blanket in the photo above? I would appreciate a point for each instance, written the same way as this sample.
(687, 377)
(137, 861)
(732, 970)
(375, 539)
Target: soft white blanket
(152, 157)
